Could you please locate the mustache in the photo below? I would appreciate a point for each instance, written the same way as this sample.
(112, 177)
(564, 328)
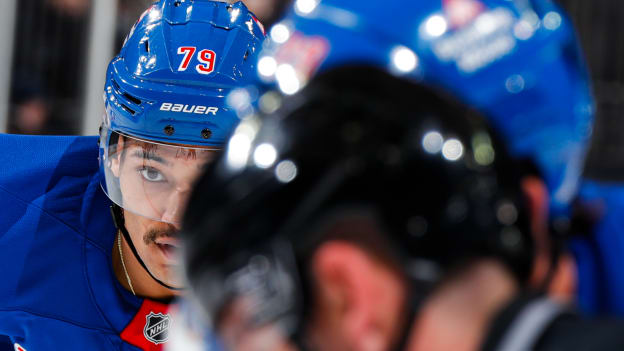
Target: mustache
(152, 234)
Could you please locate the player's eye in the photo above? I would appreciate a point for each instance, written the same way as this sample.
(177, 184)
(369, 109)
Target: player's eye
(152, 174)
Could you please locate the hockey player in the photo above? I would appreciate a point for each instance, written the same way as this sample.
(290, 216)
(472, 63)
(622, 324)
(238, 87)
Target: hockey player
(374, 220)
(73, 277)
(517, 61)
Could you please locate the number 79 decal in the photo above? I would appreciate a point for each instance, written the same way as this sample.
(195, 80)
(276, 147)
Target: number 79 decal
(205, 57)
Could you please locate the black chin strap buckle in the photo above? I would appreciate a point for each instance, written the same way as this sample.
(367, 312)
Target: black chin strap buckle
(118, 217)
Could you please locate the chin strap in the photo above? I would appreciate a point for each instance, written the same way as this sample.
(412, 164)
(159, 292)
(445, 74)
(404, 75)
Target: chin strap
(118, 219)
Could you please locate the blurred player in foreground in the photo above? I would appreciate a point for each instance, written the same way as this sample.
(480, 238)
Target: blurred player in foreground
(360, 235)
(358, 225)
(73, 277)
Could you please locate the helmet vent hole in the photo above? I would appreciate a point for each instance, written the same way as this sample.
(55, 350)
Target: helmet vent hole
(132, 98)
(206, 133)
(169, 130)
(128, 109)
(146, 43)
(229, 8)
(177, 3)
(246, 55)
(115, 86)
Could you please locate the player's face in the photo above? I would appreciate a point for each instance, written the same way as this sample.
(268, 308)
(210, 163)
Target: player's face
(155, 182)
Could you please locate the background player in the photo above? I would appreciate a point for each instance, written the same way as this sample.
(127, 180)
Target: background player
(519, 62)
(71, 279)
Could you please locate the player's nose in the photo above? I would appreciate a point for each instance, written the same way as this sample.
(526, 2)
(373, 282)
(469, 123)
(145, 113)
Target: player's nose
(175, 206)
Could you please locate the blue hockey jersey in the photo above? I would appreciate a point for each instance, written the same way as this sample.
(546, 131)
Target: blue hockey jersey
(58, 290)
(600, 256)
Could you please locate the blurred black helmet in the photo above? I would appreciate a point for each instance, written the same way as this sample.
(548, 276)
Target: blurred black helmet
(358, 155)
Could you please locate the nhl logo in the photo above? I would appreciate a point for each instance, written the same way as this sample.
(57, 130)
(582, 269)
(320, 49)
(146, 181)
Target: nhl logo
(157, 327)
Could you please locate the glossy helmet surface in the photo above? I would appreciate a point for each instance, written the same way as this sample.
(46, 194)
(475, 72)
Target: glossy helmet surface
(167, 92)
(179, 62)
(517, 61)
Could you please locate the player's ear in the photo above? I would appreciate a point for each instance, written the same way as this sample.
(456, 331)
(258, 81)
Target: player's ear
(563, 282)
(358, 298)
(115, 160)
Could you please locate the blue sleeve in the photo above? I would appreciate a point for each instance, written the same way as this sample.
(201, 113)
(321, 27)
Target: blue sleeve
(600, 256)
(36, 177)
(42, 182)
(30, 166)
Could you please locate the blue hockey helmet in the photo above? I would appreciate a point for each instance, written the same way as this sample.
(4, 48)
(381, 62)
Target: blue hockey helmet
(165, 95)
(517, 61)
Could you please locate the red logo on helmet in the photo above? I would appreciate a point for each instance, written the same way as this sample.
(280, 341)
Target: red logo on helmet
(461, 12)
(259, 24)
(304, 53)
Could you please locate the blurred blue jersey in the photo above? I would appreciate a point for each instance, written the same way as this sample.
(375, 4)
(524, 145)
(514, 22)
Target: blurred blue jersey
(58, 289)
(600, 256)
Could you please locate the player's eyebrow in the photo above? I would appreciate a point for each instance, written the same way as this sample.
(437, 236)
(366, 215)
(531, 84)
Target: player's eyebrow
(143, 154)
